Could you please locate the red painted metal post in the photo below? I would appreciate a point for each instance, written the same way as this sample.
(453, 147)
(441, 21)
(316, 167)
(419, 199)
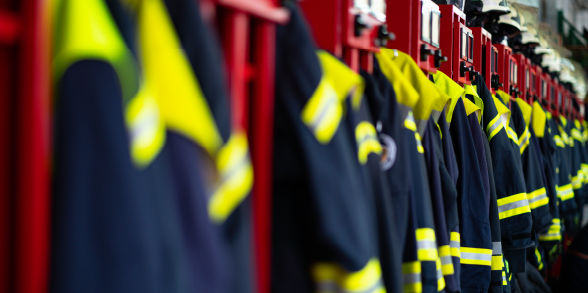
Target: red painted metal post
(33, 153)
(262, 149)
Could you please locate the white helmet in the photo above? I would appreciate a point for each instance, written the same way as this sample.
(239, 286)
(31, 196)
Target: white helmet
(495, 6)
(530, 37)
(513, 19)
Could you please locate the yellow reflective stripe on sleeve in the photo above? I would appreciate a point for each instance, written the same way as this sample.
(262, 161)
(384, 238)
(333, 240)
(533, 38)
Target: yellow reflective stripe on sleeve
(578, 180)
(169, 75)
(565, 192)
(577, 135)
(426, 244)
(440, 278)
(367, 141)
(333, 278)
(454, 244)
(558, 141)
(512, 134)
(236, 175)
(504, 283)
(476, 256)
(538, 198)
(539, 261)
(513, 205)
(446, 260)
(495, 125)
(410, 124)
(324, 110)
(524, 140)
(554, 231)
(411, 274)
(496, 263)
(585, 172)
(146, 128)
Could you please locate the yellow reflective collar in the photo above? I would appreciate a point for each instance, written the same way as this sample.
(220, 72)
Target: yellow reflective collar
(170, 77)
(577, 124)
(85, 30)
(473, 91)
(406, 94)
(324, 110)
(539, 119)
(563, 120)
(431, 99)
(470, 108)
(504, 96)
(450, 88)
(526, 109)
(501, 108)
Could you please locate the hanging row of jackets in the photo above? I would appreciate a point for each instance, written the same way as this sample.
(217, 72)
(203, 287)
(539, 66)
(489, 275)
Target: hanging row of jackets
(389, 181)
(395, 181)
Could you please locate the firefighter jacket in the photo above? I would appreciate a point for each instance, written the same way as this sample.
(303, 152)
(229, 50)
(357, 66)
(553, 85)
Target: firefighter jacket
(404, 74)
(146, 192)
(499, 278)
(473, 191)
(513, 208)
(324, 235)
(532, 166)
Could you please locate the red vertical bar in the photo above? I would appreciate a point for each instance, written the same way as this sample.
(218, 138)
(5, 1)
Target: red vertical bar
(366, 61)
(351, 57)
(236, 45)
(262, 149)
(33, 154)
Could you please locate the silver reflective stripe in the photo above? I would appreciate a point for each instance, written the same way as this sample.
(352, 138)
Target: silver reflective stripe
(412, 278)
(513, 205)
(499, 123)
(538, 198)
(496, 248)
(424, 244)
(445, 260)
(327, 105)
(439, 274)
(476, 256)
(454, 244)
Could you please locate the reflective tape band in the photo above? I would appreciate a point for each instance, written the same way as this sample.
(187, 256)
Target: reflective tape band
(454, 244)
(565, 192)
(411, 275)
(329, 277)
(476, 256)
(497, 263)
(426, 244)
(538, 198)
(446, 260)
(558, 141)
(409, 122)
(236, 174)
(512, 135)
(323, 111)
(524, 140)
(496, 248)
(495, 125)
(367, 141)
(440, 278)
(539, 261)
(504, 283)
(577, 180)
(419, 144)
(513, 205)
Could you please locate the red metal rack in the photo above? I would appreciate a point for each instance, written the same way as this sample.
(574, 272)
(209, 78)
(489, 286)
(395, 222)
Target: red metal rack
(504, 66)
(457, 41)
(524, 77)
(484, 54)
(419, 36)
(244, 25)
(350, 30)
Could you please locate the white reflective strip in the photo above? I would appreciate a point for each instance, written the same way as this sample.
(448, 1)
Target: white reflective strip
(476, 256)
(496, 248)
(424, 244)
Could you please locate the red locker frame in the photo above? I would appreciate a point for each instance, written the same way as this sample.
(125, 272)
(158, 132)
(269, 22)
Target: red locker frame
(245, 25)
(545, 90)
(457, 40)
(524, 76)
(416, 17)
(536, 78)
(348, 32)
(483, 50)
(504, 54)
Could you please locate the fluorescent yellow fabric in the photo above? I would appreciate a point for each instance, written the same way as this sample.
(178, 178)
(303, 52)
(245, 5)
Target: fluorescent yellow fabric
(504, 96)
(539, 119)
(450, 88)
(406, 94)
(330, 277)
(367, 141)
(170, 77)
(526, 109)
(324, 110)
